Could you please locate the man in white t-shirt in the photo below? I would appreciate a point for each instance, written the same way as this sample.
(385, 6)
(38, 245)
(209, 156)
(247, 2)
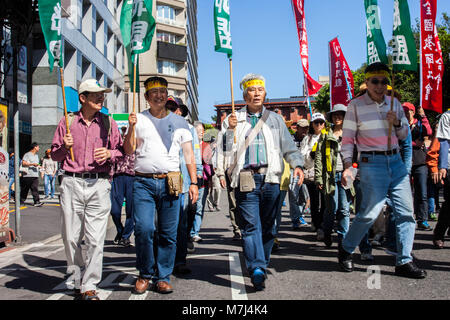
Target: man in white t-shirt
(156, 136)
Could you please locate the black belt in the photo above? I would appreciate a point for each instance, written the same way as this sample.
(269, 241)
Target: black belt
(88, 175)
(259, 170)
(384, 153)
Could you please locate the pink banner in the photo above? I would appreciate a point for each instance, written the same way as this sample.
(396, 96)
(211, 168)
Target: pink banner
(341, 77)
(298, 5)
(432, 65)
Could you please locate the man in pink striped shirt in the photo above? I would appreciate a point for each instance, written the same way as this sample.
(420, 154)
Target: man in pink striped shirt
(381, 169)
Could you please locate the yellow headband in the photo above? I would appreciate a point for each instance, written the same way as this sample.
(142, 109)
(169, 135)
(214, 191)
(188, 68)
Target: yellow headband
(380, 73)
(154, 84)
(255, 82)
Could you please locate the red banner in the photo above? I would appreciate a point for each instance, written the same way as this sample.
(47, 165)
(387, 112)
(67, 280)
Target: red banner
(298, 6)
(341, 77)
(432, 65)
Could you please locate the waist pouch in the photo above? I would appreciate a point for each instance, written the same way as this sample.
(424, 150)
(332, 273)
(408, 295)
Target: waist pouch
(175, 183)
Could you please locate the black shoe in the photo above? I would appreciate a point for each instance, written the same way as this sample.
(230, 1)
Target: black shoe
(345, 260)
(181, 269)
(327, 240)
(190, 247)
(125, 242)
(117, 238)
(410, 270)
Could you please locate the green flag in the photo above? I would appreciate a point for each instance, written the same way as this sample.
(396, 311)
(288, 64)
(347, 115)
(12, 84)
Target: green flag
(137, 27)
(404, 56)
(50, 17)
(376, 46)
(222, 27)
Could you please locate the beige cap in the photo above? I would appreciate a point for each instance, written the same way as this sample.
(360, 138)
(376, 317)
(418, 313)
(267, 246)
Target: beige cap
(92, 85)
(303, 123)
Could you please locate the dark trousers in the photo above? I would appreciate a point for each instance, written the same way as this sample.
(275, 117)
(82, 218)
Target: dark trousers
(27, 183)
(420, 176)
(444, 214)
(122, 188)
(317, 200)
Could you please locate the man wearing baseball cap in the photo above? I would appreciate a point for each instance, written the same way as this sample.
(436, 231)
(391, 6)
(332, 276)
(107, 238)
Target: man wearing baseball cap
(85, 188)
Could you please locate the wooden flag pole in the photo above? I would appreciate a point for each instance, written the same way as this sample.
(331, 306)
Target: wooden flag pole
(61, 72)
(392, 108)
(134, 83)
(232, 93)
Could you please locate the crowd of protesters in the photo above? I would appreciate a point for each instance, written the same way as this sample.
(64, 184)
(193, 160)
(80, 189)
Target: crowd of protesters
(166, 174)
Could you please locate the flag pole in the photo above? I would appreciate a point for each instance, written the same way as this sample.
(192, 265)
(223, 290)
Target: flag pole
(134, 83)
(392, 108)
(232, 92)
(61, 72)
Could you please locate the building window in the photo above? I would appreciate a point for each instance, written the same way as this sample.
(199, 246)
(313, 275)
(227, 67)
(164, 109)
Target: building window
(167, 67)
(167, 37)
(166, 13)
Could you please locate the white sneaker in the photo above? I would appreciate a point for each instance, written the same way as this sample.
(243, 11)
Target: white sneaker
(366, 257)
(320, 235)
(196, 238)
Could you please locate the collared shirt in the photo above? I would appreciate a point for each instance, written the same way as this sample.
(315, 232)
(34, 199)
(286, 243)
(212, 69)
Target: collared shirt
(366, 126)
(85, 140)
(256, 154)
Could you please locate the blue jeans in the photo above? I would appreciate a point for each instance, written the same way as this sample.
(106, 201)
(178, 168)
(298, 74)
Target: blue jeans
(364, 246)
(182, 232)
(431, 194)
(155, 251)
(280, 208)
(122, 188)
(257, 212)
(49, 185)
(381, 176)
(298, 196)
(200, 210)
(12, 193)
(420, 175)
(337, 205)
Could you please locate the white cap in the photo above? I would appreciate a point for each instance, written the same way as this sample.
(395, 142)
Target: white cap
(317, 116)
(339, 107)
(92, 85)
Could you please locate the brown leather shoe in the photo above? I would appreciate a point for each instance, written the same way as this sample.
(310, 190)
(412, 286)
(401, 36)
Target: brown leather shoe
(141, 285)
(89, 295)
(163, 287)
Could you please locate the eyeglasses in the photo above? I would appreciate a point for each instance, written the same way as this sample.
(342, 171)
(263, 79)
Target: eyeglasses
(375, 82)
(97, 94)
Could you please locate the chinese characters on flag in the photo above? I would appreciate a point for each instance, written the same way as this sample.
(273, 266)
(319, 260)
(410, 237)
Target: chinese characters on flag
(298, 5)
(341, 77)
(432, 65)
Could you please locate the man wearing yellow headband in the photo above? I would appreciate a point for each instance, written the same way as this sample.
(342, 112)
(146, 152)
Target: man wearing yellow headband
(157, 136)
(257, 163)
(382, 171)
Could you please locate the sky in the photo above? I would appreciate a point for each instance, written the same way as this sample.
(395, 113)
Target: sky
(265, 41)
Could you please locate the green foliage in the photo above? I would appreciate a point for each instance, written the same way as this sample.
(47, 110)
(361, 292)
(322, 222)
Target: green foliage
(322, 103)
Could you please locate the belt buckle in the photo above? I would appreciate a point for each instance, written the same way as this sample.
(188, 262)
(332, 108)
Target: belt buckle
(86, 175)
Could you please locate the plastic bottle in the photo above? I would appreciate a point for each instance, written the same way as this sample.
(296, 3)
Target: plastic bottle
(350, 175)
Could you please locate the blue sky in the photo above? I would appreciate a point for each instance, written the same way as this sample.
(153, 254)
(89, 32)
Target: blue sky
(265, 41)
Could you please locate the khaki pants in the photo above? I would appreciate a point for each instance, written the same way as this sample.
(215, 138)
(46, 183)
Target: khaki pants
(86, 205)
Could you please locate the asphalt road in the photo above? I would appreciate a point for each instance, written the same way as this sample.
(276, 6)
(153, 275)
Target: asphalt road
(302, 269)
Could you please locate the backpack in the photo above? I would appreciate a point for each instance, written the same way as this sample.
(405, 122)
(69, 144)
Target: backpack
(105, 119)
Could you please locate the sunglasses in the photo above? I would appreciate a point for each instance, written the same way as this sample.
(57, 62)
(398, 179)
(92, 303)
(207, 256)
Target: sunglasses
(319, 122)
(375, 82)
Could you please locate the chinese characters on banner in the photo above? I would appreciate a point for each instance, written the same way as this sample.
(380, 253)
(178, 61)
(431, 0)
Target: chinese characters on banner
(298, 5)
(376, 46)
(222, 27)
(341, 77)
(432, 65)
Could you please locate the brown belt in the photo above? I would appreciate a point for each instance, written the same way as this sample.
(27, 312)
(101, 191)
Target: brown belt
(151, 175)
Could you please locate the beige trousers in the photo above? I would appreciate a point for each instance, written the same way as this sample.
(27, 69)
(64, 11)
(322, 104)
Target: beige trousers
(86, 206)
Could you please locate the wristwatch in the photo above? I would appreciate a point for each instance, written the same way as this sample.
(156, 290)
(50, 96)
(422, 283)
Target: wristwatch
(194, 183)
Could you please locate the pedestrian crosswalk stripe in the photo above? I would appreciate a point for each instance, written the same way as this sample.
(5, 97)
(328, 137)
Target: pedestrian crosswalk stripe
(237, 280)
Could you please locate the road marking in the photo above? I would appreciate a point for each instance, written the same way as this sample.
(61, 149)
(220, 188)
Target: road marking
(237, 280)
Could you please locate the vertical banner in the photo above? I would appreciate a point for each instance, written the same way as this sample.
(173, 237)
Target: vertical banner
(341, 77)
(376, 46)
(137, 27)
(404, 55)
(50, 17)
(222, 27)
(312, 85)
(4, 175)
(432, 65)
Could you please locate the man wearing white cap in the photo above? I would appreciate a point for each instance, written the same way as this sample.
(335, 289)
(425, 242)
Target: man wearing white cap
(85, 189)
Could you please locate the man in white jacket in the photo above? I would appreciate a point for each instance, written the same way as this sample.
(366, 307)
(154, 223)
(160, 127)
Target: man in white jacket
(255, 172)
